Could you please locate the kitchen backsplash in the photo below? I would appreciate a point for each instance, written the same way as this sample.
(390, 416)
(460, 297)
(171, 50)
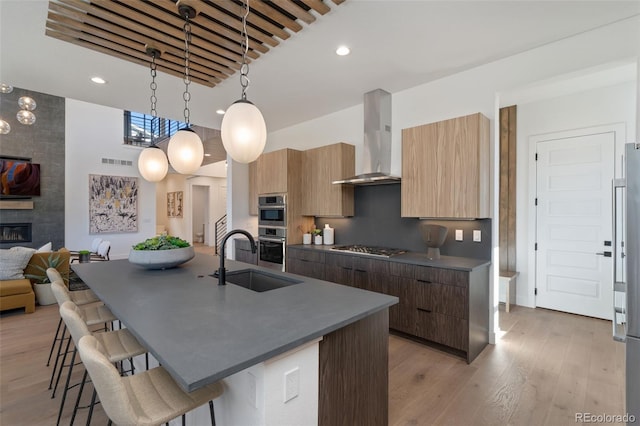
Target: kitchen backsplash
(377, 222)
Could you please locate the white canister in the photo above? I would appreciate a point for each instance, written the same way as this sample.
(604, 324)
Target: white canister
(327, 233)
(306, 238)
(318, 239)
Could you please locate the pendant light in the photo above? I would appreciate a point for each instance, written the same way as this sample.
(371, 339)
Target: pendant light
(152, 163)
(243, 130)
(185, 150)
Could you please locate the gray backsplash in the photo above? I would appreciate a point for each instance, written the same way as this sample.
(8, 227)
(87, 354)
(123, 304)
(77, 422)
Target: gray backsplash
(377, 222)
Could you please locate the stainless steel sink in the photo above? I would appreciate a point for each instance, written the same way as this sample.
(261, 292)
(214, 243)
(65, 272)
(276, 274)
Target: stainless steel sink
(260, 281)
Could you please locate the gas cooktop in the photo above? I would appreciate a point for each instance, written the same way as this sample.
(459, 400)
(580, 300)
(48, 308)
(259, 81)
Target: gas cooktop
(370, 250)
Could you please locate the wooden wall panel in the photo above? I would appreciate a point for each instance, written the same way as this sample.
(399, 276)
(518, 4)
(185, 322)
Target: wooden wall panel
(507, 230)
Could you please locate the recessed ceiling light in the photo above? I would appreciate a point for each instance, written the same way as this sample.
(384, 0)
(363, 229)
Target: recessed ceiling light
(220, 111)
(98, 80)
(343, 51)
(207, 155)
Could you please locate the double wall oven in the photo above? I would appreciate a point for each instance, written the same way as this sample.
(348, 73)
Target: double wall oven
(272, 230)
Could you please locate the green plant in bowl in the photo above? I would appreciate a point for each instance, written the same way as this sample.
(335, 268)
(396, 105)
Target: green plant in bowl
(162, 242)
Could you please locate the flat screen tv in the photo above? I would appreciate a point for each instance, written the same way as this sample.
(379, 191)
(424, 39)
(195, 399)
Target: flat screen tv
(19, 178)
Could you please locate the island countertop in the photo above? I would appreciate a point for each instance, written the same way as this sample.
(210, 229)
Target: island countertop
(202, 332)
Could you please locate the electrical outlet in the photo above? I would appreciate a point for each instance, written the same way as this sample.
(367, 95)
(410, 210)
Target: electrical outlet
(458, 234)
(291, 384)
(477, 236)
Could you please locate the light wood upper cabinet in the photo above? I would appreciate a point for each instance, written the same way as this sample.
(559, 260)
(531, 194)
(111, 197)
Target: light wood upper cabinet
(445, 169)
(272, 172)
(322, 166)
(253, 188)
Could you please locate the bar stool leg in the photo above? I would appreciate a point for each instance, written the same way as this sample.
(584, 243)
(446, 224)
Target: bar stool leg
(93, 402)
(55, 365)
(53, 344)
(66, 385)
(77, 404)
(212, 413)
(64, 358)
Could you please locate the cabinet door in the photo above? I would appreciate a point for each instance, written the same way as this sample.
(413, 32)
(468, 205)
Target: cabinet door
(272, 172)
(253, 188)
(339, 268)
(308, 263)
(450, 300)
(443, 329)
(246, 256)
(323, 165)
(445, 169)
(402, 315)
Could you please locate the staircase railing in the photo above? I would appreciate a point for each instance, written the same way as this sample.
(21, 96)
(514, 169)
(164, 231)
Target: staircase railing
(221, 230)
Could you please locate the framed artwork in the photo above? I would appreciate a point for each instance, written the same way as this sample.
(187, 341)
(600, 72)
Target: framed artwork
(113, 204)
(174, 204)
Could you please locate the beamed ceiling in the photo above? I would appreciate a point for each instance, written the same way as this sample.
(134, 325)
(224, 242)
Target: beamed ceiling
(124, 28)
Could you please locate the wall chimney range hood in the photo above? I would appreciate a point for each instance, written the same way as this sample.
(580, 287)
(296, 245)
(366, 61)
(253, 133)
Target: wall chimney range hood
(376, 154)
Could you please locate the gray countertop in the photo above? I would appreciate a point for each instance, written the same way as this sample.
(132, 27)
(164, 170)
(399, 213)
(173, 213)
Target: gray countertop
(414, 258)
(201, 332)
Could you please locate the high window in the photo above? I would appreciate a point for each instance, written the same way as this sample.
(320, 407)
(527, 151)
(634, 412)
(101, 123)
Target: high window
(144, 130)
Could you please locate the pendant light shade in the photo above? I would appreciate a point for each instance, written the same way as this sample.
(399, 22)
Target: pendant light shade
(153, 164)
(185, 151)
(243, 132)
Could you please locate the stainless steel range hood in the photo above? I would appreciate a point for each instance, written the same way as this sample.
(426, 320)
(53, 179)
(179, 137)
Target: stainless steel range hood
(376, 154)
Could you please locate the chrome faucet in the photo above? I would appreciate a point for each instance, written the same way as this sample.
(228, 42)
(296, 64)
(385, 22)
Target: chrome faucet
(222, 273)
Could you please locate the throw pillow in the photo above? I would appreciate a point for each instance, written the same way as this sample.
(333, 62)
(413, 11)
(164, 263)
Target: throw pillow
(13, 261)
(45, 248)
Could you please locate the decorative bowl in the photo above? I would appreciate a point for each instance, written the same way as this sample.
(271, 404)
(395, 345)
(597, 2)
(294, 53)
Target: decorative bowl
(161, 259)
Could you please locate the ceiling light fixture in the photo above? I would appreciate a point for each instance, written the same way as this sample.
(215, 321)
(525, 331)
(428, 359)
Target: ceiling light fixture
(152, 163)
(98, 80)
(343, 51)
(185, 150)
(4, 127)
(25, 116)
(220, 111)
(6, 88)
(243, 130)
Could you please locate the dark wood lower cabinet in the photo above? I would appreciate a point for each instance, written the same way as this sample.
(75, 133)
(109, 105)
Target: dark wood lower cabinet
(243, 252)
(446, 306)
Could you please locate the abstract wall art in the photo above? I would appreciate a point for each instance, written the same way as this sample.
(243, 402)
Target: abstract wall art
(113, 204)
(174, 204)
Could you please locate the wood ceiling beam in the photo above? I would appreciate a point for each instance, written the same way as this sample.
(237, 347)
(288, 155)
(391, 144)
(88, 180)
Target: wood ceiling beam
(202, 48)
(296, 11)
(212, 26)
(136, 42)
(255, 20)
(232, 22)
(275, 15)
(97, 48)
(318, 6)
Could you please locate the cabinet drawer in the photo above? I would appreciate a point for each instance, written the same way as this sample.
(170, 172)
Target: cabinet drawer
(305, 268)
(344, 261)
(443, 329)
(338, 274)
(308, 255)
(449, 300)
(452, 277)
(404, 270)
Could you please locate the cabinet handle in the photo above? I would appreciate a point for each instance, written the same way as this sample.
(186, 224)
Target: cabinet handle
(424, 310)
(425, 281)
(361, 270)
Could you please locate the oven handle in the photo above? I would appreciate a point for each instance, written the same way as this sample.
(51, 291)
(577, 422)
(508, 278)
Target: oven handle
(272, 240)
(275, 206)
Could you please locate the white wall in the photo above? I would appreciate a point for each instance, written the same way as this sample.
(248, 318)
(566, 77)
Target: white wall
(603, 106)
(94, 132)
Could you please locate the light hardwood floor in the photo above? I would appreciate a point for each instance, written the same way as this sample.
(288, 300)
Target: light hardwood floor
(546, 367)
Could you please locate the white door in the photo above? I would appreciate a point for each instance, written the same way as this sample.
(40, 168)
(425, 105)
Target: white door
(573, 218)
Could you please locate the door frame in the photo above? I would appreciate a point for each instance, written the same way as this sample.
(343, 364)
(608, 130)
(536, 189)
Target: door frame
(619, 131)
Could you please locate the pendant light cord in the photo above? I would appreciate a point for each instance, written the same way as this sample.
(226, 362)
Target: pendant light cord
(187, 79)
(244, 68)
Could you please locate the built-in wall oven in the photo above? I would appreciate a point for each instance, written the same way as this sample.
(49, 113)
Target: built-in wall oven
(272, 210)
(272, 230)
(272, 243)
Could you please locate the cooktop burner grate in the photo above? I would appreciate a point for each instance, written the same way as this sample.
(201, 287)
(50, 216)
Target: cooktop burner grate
(370, 250)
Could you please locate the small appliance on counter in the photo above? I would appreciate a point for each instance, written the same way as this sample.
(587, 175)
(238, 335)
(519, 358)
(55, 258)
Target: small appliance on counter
(327, 235)
(434, 236)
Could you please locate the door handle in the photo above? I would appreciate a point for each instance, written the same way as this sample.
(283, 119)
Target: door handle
(605, 254)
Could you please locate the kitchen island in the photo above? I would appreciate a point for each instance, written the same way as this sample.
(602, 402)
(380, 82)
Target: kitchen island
(201, 332)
